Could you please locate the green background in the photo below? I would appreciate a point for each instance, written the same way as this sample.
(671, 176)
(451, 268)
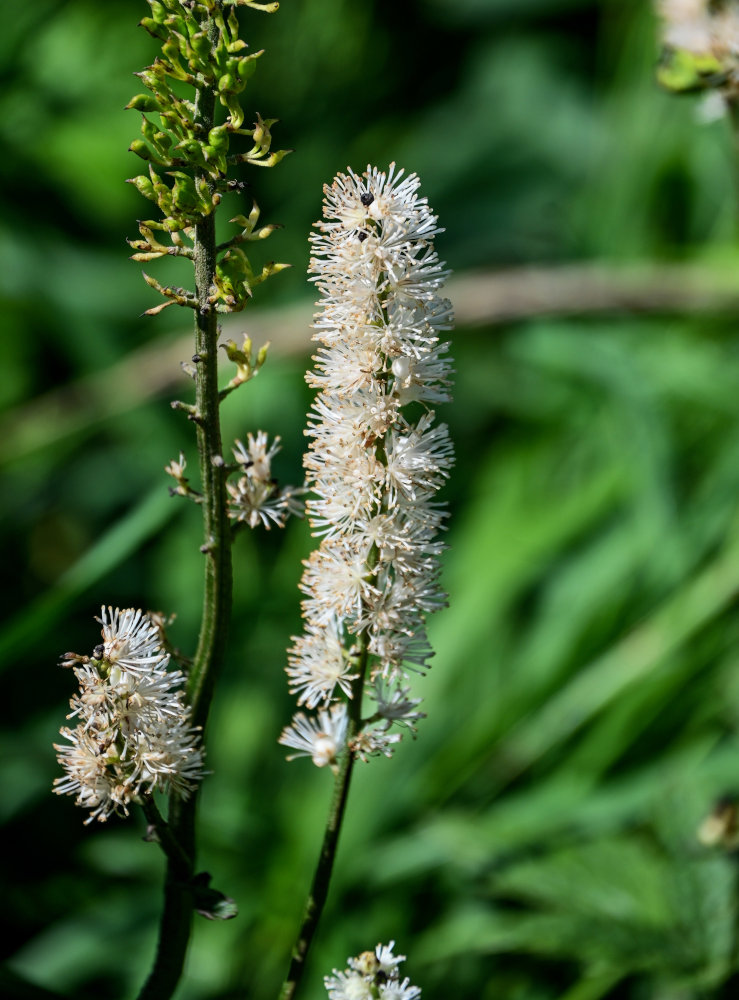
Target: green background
(538, 839)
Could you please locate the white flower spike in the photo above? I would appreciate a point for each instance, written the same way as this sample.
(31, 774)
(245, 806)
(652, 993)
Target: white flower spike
(376, 458)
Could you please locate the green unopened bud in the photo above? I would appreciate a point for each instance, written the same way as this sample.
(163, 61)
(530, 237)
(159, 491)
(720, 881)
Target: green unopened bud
(202, 187)
(162, 143)
(233, 25)
(184, 195)
(155, 28)
(241, 220)
(144, 186)
(148, 255)
(153, 77)
(266, 8)
(262, 355)
(685, 72)
(218, 139)
(143, 102)
(268, 270)
(202, 46)
(140, 148)
(238, 356)
(148, 129)
(158, 11)
(236, 46)
(247, 65)
(265, 231)
(172, 51)
(234, 109)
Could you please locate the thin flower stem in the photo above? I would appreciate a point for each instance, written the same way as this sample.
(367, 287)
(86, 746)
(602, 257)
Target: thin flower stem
(174, 933)
(169, 843)
(322, 876)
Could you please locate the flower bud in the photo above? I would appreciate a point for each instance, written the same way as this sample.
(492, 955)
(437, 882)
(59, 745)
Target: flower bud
(143, 102)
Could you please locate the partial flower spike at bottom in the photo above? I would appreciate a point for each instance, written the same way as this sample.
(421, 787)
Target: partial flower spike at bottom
(376, 460)
(373, 975)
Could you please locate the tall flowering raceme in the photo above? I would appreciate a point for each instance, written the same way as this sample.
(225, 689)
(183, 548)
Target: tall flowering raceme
(376, 461)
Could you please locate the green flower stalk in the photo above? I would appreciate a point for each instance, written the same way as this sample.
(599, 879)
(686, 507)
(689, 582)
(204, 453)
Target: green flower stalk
(140, 726)
(190, 144)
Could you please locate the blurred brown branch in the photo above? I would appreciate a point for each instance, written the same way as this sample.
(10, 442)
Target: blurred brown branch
(480, 299)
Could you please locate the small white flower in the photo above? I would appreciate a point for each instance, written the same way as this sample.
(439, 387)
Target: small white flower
(399, 991)
(130, 639)
(319, 662)
(348, 986)
(373, 742)
(255, 498)
(257, 455)
(322, 738)
(387, 960)
(395, 705)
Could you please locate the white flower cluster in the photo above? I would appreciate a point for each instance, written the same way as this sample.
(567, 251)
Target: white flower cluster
(700, 25)
(255, 498)
(375, 463)
(134, 733)
(373, 975)
(710, 30)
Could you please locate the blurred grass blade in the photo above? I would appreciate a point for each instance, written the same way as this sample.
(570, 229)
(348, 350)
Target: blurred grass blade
(628, 662)
(119, 542)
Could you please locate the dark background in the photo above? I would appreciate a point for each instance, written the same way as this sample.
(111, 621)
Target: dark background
(538, 839)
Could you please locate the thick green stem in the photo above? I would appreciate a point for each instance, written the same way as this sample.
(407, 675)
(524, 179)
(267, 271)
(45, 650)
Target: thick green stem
(176, 920)
(170, 845)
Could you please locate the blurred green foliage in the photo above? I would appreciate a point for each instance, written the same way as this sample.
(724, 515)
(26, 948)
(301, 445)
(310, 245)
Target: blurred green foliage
(538, 840)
